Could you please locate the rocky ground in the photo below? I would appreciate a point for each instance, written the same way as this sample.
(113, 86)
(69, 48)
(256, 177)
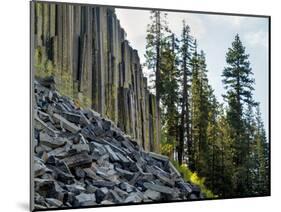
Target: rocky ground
(83, 159)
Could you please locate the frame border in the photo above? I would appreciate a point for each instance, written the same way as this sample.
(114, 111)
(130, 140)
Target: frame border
(31, 74)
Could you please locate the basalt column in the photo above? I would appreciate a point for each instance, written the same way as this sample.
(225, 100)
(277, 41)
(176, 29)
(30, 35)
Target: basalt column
(85, 49)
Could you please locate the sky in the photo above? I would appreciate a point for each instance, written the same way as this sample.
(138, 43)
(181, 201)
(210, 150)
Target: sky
(214, 34)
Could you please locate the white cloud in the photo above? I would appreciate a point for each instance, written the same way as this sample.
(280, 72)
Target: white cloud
(135, 23)
(229, 21)
(257, 38)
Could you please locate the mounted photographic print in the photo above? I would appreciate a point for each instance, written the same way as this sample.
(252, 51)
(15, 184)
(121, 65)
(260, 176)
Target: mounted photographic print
(145, 105)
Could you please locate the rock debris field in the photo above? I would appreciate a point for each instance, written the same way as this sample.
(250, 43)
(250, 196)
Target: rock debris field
(82, 159)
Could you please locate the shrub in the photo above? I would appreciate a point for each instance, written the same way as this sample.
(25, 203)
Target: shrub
(193, 178)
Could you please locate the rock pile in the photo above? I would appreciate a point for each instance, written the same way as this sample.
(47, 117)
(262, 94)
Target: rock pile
(82, 159)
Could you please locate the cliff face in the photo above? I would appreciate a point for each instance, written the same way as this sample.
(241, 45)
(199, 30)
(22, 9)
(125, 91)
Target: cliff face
(85, 48)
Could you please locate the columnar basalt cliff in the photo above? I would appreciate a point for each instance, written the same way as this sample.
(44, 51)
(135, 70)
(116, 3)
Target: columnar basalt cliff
(85, 48)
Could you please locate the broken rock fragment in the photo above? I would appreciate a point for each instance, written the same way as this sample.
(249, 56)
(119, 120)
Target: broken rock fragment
(83, 159)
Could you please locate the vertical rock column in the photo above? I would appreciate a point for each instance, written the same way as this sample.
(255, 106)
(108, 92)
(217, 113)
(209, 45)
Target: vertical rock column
(94, 63)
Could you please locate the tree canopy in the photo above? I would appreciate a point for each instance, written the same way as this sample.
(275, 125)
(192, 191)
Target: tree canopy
(224, 144)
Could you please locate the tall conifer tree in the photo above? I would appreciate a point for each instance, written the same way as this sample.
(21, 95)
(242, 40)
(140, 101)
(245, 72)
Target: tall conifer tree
(185, 80)
(238, 82)
(170, 86)
(156, 31)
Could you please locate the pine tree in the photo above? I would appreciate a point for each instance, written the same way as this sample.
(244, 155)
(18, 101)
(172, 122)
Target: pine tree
(249, 123)
(224, 144)
(238, 82)
(261, 157)
(155, 33)
(169, 81)
(224, 185)
(185, 75)
(199, 101)
(194, 109)
(213, 139)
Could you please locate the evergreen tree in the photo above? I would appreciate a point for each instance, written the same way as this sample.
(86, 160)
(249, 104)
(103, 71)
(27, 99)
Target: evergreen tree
(199, 101)
(169, 81)
(213, 171)
(261, 158)
(238, 82)
(226, 145)
(185, 80)
(225, 165)
(194, 109)
(155, 33)
(249, 123)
